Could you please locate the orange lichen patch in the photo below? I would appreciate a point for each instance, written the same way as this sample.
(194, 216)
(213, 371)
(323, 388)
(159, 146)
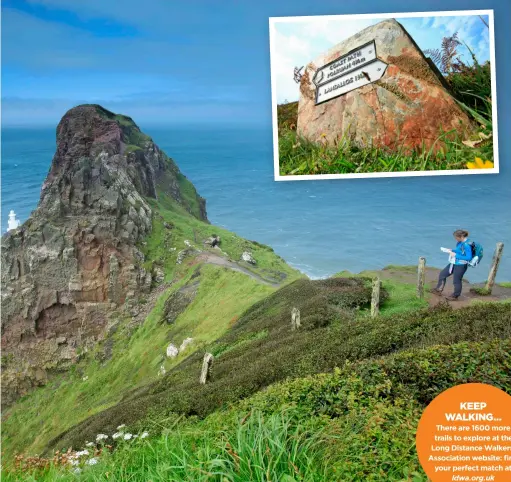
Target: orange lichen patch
(373, 102)
(424, 125)
(392, 88)
(392, 70)
(415, 66)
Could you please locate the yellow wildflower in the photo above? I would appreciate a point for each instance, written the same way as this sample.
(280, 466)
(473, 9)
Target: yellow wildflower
(480, 164)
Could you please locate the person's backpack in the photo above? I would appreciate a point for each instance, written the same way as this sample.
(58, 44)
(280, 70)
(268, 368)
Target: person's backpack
(477, 253)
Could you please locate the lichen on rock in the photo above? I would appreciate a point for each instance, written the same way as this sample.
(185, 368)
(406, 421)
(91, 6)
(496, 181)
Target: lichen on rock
(410, 107)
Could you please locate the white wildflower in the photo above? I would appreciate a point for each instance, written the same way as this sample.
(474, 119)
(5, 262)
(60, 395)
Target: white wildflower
(92, 461)
(116, 435)
(101, 436)
(82, 452)
(77, 470)
(85, 378)
(89, 444)
(128, 436)
(120, 427)
(144, 435)
(74, 462)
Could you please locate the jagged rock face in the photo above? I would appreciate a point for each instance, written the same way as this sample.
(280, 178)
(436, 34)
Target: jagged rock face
(407, 107)
(75, 260)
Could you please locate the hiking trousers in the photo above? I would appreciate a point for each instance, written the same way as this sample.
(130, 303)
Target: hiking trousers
(457, 271)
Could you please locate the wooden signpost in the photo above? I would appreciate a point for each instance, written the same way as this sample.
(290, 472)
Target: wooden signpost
(206, 366)
(494, 267)
(421, 277)
(375, 298)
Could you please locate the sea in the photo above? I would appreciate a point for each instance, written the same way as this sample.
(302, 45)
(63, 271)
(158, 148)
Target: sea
(319, 227)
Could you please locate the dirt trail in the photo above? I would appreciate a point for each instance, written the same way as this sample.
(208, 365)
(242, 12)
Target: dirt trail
(409, 275)
(212, 258)
(403, 274)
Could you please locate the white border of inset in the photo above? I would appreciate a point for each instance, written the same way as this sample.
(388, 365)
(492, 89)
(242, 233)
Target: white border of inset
(315, 177)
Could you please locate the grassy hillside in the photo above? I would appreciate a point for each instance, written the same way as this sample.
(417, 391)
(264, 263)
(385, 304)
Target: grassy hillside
(262, 349)
(135, 348)
(356, 423)
(337, 399)
(172, 226)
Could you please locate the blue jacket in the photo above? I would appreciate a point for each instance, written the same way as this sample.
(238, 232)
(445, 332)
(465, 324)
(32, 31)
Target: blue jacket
(463, 252)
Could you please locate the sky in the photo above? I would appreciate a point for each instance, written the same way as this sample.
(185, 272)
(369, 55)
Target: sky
(159, 61)
(298, 42)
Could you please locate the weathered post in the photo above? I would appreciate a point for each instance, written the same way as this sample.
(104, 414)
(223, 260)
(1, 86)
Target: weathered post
(206, 365)
(295, 318)
(494, 267)
(375, 298)
(421, 277)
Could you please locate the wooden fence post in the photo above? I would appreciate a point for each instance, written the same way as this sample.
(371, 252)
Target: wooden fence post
(494, 267)
(375, 298)
(295, 318)
(206, 365)
(421, 277)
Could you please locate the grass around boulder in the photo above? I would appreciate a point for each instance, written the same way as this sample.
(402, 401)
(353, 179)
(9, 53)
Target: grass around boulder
(471, 88)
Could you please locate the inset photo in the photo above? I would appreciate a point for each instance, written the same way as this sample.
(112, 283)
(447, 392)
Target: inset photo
(406, 94)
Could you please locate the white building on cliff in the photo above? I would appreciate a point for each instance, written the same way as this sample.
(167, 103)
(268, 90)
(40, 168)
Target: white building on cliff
(13, 223)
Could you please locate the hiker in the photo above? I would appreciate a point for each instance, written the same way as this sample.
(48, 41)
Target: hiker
(459, 258)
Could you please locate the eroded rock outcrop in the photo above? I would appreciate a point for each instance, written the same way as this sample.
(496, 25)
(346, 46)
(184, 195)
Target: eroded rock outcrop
(75, 260)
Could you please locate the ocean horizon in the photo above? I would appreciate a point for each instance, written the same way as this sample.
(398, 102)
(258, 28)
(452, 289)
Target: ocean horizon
(319, 227)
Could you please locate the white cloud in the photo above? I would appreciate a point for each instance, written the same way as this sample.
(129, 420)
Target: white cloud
(302, 43)
(290, 52)
(335, 30)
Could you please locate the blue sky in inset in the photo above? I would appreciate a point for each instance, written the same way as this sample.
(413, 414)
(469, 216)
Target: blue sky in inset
(159, 61)
(297, 42)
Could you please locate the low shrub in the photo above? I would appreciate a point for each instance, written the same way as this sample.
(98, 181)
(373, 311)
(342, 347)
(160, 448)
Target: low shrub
(285, 354)
(357, 423)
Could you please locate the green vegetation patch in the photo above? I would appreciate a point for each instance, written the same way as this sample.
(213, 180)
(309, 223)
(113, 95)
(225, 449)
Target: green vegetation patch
(402, 295)
(356, 423)
(131, 148)
(95, 384)
(172, 225)
(299, 156)
(480, 290)
(287, 116)
(189, 194)
(285, 354)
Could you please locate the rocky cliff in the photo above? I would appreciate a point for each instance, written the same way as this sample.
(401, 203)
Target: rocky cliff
(75, 260)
